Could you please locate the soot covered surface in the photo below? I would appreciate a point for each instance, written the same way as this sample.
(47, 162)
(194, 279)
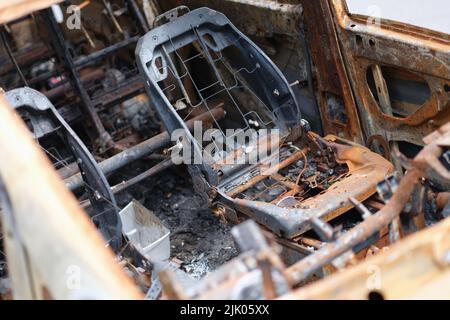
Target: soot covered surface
(198, 238)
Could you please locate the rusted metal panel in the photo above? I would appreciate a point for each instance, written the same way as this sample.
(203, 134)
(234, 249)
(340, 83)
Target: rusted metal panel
(265, 18)
(406, 51)
(330, 72)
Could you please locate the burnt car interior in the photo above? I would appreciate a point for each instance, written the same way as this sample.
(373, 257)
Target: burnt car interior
(207, 149)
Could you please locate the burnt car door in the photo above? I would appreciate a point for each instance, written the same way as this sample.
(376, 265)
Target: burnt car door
(400, 77)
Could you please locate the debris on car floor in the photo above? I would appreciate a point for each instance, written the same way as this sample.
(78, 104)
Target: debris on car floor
(198, 240)
(220, 150)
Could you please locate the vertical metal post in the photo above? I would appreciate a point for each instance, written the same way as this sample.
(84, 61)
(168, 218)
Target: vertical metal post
(11, 56)
(137, 14)
(65, 56)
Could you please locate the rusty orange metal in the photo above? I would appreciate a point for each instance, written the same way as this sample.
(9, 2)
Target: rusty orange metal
(363, 166)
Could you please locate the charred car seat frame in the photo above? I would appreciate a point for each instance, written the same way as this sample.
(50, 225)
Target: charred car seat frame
(44, 119)
(160, 60)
